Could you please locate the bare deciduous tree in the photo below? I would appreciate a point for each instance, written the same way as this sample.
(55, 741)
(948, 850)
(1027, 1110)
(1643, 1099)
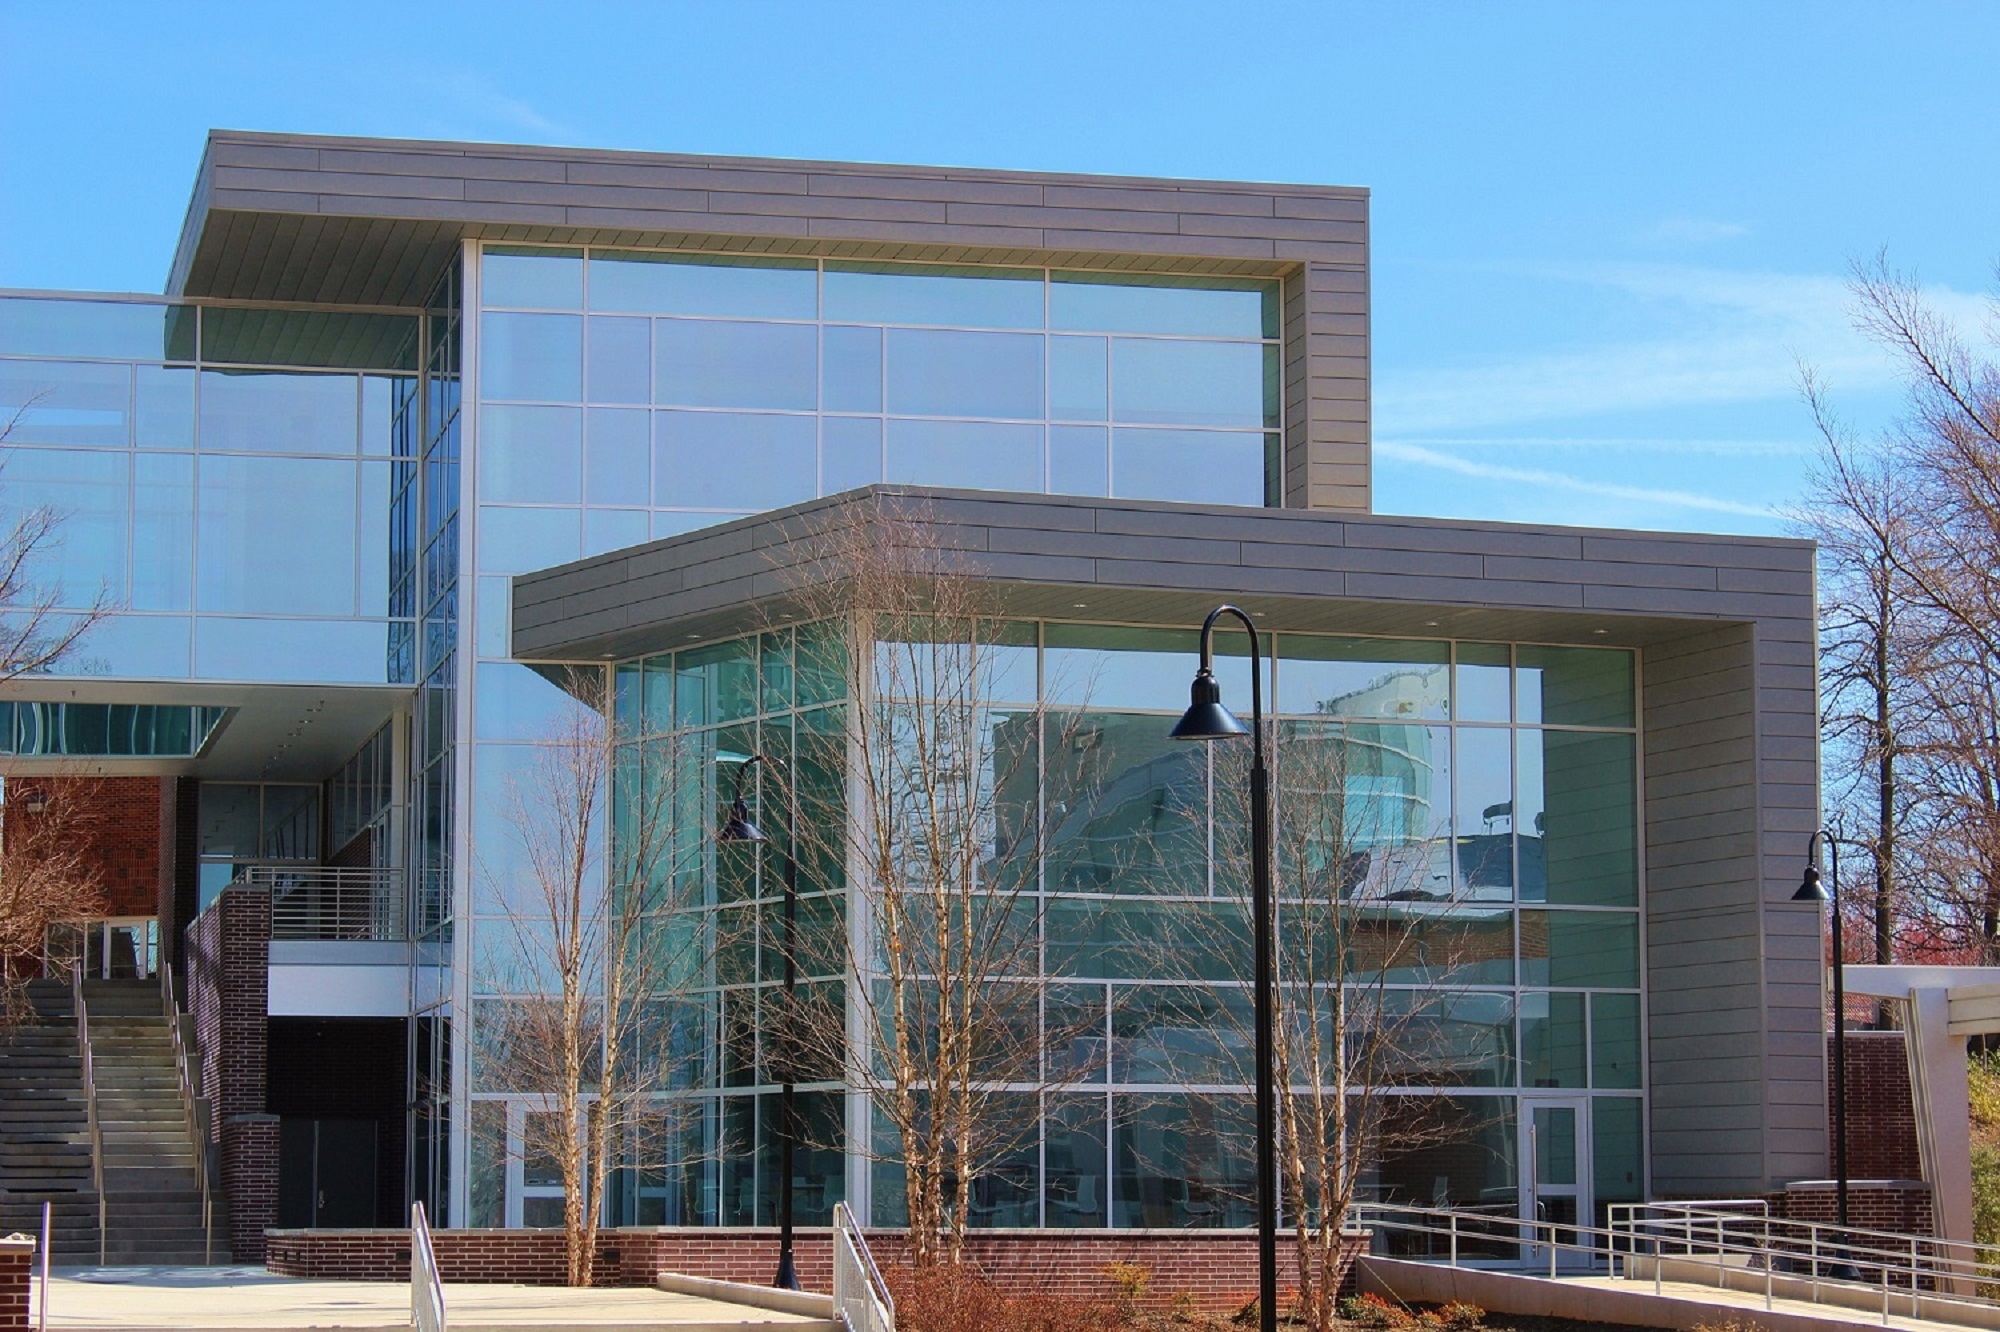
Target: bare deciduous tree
(599, 969)
(50, 874)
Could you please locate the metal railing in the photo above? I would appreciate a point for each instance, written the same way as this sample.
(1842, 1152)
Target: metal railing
(426, 1287)
(1732, 1245)
(90, 1102)
(861, 1299)
(328, 903)
(195, 1110)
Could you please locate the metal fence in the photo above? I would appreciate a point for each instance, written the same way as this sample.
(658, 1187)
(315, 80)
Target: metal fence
(313, 902)
(861, 1298)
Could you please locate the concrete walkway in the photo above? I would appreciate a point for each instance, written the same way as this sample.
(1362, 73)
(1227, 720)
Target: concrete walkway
(196, 1299)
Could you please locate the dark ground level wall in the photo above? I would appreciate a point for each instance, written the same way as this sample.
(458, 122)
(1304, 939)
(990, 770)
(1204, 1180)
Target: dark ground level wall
(1218, 1270)
(347, 1072)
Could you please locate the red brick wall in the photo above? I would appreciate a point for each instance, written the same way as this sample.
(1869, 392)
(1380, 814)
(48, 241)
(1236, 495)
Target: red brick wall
(229, 988)
(124, 838)
(1881, 1115)
(16, 1262)
(1218, 1268)
(1903, 1207)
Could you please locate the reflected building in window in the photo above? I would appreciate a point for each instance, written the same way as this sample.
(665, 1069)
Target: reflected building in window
(377, 494)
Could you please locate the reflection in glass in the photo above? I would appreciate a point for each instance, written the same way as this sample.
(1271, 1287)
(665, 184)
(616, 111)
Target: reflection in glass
(1079, 460)
(1075, 1151)
(165, 410)
(947, 372)
(976, 454)
(531, 279)
(1618, 1159)
(1614, 1040)
(513, 541)
(643, 282)
(1484, 816)
(719, 363)
(1183, 1160)
(143, 332)
(1482, 682)
(1174, 1034)
(1148, 939)
(59, 402)
(1580, 948)
(1365, 806)
(531, 358)
(304, 566)
(850, 453)
(1363, 677)
(853, 372)
(1128, 807)
(1402, 944)
(621, 360)
(1157, 381)
(259, 412)
(1436, 1038)
(1193, 466)
(1078, 379)
(733, 460)
(966, 297)
(531, 454)
(163, 530)
(1146, 303)
(1578, 802)
(618, 457)
(1562, 686)
(1552, 1040)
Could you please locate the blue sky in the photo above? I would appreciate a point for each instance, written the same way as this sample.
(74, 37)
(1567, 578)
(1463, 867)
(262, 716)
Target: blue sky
(1604, 234)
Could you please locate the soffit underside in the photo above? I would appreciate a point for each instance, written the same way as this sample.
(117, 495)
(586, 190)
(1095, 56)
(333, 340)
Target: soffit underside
(275, 256)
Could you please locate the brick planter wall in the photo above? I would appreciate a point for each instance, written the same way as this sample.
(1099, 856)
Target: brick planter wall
(1901, 1205)
(1217, 1268)
(17, 1259)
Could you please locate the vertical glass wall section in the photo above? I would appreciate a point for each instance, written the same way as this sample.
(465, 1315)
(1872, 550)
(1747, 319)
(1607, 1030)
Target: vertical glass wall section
(1457, 830)
(674, 390)
(225, 476)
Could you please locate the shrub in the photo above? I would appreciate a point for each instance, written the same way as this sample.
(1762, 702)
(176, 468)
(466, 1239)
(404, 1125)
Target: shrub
(962, 1299)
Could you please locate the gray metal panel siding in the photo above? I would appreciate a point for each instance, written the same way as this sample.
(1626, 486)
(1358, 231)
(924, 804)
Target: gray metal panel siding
(413, 201)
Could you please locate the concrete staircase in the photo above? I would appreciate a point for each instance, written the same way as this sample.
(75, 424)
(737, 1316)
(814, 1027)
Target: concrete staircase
(45, 1129)
(151, 1188)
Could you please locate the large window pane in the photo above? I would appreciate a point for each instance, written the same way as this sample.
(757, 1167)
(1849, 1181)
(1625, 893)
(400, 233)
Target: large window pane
(1434, 1038)
(1552, 1042)
(1157, 381)
(1580, 948)
(1104, 666)
(1481, 682)
(733, 460)
(718, 363)
(513, 541)
(276, 535)
(1398, 943)
(87, 490)
(1485, 814)
(1078, 375)
(853, 369)
(531, 279)
(946, 372)
(850, 453)
(1195, 307)
(1436, 1151)
(531, 454)
(618, 457)
(621, 360)
(1174, 1034)
(1617, 1144)
(302, 651)
(1128, 807)
(1193, 466)
(1184, 1160)
(255, 412)
(1402, 679)
(1614, 1040)
(155, 332)
(1574, 686)
(980, 455)
(1148, 939)
(1075, 1151)
(163, 528)
(531, 357)
(1079, 460)
(165, 407)
(1366, 806)
(61, 402)
(636, 282)
(1578, 819)
(915, 294)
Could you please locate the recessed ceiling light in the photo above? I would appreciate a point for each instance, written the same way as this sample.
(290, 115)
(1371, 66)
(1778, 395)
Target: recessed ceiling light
(1600, 631)
(1079, 605)
(1430, 624)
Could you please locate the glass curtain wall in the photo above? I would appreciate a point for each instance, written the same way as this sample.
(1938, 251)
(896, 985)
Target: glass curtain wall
(225, 477)
(1473, 807)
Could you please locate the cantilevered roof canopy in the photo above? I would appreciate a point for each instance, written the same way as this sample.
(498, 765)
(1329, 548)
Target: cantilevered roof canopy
(1146, 562)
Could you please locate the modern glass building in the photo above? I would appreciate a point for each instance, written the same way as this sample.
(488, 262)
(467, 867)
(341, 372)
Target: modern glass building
(421, 433)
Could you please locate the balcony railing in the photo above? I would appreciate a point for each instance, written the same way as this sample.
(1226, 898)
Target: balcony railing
(329, 904)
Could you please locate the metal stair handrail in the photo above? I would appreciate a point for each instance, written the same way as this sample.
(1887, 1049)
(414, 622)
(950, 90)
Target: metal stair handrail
(194, 1109)
(861, 1298)
(90, 1102)
(1888, 1270)
(426, 1286)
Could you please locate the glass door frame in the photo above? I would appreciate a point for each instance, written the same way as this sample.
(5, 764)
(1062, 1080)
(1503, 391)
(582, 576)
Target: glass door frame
(1534, 1193)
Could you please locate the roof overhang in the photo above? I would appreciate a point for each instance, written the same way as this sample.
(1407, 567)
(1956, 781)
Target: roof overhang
(284, 217)
(1144, 562)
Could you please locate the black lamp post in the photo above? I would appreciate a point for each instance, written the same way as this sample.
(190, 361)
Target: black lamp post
(739, 828)
(1207, 719)
(1811, 890)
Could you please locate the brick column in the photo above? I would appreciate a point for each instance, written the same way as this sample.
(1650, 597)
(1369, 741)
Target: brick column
(229, 958)
(17, 1260)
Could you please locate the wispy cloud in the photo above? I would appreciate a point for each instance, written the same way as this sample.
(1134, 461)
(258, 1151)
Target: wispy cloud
(476, 108)
(1726, 336)
(1544, 479)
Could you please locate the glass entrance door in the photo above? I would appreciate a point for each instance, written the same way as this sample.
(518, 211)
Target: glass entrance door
(1556, 1149)
(125, 948)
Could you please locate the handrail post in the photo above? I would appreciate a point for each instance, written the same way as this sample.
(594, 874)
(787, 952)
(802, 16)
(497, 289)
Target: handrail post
(90, 1102)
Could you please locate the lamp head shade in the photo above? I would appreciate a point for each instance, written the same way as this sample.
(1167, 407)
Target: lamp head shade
(1810, 890)
(1206, 718)
(739, 828)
